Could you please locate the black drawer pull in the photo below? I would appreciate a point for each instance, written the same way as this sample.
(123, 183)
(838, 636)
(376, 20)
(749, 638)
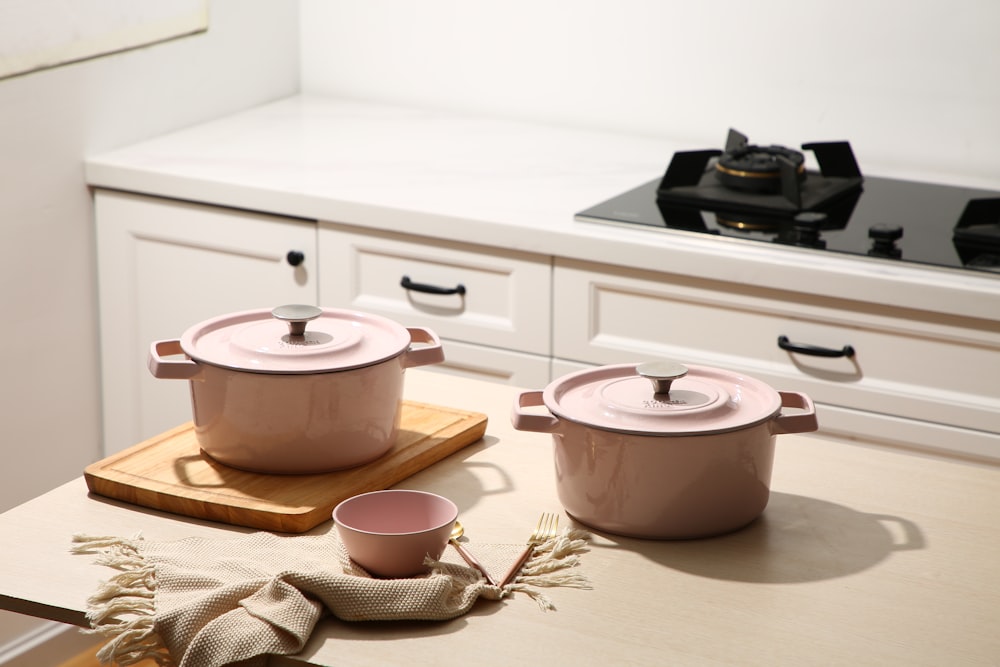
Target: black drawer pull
(408, 284)
(813, 350)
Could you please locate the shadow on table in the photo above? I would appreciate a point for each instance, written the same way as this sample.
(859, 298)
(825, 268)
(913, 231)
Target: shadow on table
(797, 539)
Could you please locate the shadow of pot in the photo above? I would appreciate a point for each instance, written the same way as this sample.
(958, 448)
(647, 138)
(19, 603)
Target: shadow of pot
(797, 539)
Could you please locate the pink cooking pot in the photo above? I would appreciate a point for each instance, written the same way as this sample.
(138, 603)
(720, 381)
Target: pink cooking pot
(660, 450)
(269, 395)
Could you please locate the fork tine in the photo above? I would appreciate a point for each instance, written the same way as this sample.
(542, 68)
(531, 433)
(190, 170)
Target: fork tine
(545, 529)
(539, 529)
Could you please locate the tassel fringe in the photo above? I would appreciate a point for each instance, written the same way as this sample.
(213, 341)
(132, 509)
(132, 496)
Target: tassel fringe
(548, 567)
(122, 608)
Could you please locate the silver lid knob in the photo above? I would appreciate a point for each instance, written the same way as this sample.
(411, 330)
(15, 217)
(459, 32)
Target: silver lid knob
(296, 315)
(662, 374)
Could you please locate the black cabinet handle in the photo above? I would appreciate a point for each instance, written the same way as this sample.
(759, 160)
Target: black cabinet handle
(408, 284)
(295, 257)
(813, 350)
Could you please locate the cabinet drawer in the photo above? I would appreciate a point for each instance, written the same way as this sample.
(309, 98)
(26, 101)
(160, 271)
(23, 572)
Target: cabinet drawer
(505, 299)
(907, 363)
(489, 363)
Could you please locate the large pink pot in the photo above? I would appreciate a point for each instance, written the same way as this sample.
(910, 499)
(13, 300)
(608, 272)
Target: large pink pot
(662, 450)
(298, 389)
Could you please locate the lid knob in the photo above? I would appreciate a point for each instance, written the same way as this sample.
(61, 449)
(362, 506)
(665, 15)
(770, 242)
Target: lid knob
(661, 374)
(296, 315)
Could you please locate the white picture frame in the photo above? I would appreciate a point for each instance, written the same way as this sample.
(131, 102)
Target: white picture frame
(39, 34)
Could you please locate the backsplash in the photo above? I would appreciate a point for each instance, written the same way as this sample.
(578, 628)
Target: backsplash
(910, 84)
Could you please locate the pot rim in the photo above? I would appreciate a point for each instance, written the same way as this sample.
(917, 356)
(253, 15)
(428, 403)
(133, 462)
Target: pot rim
(334, 340)
(667, 434)
(330, 371)
(704, 401)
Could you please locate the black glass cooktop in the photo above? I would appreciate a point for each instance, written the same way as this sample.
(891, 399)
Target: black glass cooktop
(886, 219)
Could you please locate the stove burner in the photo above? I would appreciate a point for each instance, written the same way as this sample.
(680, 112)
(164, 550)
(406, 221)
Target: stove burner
(751, 223)
(759, 168)
(755, 168)
(752, 178)
(831, 210)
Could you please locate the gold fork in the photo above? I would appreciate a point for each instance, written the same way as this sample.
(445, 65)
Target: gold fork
(547, 528)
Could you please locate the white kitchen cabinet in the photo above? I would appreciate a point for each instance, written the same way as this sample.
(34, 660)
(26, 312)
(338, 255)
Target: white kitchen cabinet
(914, 377)
(491, 307)
(446, 201)
(165, 265)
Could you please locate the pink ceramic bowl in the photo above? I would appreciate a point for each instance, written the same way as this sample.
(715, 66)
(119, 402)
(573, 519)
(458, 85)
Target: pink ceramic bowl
(390, 533)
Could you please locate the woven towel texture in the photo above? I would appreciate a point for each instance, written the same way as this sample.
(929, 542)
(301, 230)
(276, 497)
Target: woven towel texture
(230, 602)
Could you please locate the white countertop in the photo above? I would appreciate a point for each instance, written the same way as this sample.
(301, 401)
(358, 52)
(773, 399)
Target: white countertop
(488, 181)
(862, 557)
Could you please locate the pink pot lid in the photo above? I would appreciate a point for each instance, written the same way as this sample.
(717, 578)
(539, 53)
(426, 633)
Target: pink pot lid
(295, 339)
(661, 398)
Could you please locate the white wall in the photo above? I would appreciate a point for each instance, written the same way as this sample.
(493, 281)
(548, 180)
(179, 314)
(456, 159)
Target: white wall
(913, 84)
(49, 120)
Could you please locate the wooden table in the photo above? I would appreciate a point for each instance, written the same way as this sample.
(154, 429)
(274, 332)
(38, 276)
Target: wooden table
(863, 556)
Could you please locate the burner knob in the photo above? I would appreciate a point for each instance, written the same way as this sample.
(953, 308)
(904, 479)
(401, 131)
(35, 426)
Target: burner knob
(810, 220)
(807, 227)
(884, 239)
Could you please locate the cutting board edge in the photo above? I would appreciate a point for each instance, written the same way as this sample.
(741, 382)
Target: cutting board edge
(459, 435)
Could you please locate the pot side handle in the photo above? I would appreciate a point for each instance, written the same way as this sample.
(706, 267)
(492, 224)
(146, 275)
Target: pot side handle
(799, 422)
(523, 421)
(432, 353)
(171, 369)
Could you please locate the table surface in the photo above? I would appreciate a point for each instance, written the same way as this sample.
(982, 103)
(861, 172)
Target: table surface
(863, 556)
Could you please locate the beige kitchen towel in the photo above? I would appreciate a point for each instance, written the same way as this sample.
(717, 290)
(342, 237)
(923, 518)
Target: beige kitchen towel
(207, 603)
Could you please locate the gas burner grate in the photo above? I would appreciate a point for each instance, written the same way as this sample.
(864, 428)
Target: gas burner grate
(769, 179)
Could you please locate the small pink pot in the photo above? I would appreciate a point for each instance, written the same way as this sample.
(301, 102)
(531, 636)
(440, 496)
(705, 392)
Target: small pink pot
(270, 396)
(661, 450)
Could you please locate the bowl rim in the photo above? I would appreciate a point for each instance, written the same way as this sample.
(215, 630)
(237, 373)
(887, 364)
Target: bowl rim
(411, 492)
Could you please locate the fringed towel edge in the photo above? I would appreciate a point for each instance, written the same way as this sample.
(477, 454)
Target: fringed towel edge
(548, 567)
(123, 607)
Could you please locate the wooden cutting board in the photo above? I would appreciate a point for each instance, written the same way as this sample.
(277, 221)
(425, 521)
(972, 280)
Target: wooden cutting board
(169, 472)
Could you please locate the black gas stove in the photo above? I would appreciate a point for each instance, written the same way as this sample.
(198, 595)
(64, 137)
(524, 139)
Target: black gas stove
(766, 194)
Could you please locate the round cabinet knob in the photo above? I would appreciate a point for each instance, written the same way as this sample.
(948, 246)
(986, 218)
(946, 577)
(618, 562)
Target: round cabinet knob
(295, 257)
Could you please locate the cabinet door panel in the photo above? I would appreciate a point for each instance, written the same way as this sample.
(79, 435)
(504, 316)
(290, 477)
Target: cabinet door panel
(506, 295)
(164, 266)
